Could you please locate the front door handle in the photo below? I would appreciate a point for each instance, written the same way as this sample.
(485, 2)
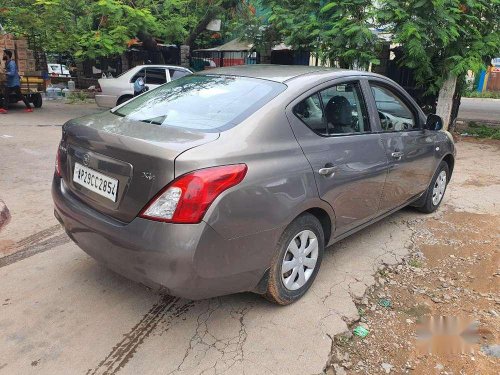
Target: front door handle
(326, 171)
(397, 154)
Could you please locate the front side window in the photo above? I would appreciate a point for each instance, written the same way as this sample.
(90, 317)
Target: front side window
(394, 114)
(345, 110)
(337, 110)
(201, 102)
(140, 74)
(151, 76)
(155, 76)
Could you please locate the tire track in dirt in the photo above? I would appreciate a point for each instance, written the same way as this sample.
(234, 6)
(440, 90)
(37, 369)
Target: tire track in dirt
(165, 311)
(39, 236)
(35, 244)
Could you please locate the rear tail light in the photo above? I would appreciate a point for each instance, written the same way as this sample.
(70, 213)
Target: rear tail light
(58, 162)
(98, 88)
(187, 199)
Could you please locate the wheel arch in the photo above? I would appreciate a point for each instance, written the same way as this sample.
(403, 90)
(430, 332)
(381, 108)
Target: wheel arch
(123, 96)
(450, 160)
(326, 216)
(324, 219)
(322, 211)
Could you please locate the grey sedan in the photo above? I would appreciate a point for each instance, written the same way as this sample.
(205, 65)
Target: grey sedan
(237, 179)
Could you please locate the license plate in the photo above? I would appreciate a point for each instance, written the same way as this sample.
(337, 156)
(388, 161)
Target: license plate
(96, 182)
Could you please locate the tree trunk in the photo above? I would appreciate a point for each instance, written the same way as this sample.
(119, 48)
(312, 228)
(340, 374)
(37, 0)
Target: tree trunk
(343, 64)
(457, 98)
(202, 25)
(445, 100)
(150, 45)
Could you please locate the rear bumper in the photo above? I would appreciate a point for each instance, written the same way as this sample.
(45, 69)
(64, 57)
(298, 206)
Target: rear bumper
(186, 260)
(106, 101)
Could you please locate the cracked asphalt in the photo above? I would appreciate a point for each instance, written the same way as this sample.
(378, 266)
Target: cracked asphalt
(61, 312)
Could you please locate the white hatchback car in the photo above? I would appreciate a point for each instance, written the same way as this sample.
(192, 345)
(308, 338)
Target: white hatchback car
(115, 91)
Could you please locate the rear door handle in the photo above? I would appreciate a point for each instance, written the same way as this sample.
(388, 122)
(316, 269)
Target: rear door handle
(326, 171)
(397, 154)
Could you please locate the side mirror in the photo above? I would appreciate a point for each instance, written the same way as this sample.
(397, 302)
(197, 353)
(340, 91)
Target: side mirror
(434, 122)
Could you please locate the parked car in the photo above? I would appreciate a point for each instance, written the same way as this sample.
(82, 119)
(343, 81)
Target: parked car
(58, 70)
(237, 179)
(115, 91)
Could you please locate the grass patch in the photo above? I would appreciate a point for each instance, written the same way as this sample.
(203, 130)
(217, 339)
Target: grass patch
(415, 263)
(483, 95)
(483, 131)
(342, 340)
(77, 97)
(383, 273)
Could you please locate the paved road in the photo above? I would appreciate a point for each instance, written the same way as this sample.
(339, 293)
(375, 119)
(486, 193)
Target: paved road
(28, 143)
(479, 109)
(61, 312)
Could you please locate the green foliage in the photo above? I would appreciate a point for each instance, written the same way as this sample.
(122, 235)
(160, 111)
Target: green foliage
(254, 26)
(90, 29)
(442, 37)
(483, 131)
(415, 263)
(483, 94)
(106, 34)
(77, 97)
(337, 31)
(55, 17)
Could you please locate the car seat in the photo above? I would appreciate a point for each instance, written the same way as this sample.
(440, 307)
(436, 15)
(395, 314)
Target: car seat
(338, 113)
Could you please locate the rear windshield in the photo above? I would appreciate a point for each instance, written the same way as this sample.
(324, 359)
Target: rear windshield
(201, 102)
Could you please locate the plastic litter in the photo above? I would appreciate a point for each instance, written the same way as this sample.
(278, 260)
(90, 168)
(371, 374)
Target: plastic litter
(384, 302)
(361, 331)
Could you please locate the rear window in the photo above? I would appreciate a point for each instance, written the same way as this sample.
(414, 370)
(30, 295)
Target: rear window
(201, 102)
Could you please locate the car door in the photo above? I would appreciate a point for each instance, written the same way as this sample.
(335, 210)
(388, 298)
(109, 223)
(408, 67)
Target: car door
(409, 148)
(337, 136)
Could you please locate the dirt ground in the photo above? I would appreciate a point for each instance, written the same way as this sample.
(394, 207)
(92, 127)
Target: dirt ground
(62, 313)
(453, 270)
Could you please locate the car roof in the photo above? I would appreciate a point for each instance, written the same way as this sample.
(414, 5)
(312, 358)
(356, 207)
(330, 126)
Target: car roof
(159, 66)
(281, 73)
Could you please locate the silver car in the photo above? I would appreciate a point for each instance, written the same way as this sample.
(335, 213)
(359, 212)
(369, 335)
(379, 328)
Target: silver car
(237, 179)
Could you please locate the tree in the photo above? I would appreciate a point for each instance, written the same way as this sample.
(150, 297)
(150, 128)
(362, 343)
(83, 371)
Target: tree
(252, 25)
(442, 39)
(211, 10)
(99, 28)
(57, 20)
(109, 26)
(86, 29)
(340, 32)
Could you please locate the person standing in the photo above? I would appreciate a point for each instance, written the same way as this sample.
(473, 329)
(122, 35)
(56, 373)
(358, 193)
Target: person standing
(13, 83)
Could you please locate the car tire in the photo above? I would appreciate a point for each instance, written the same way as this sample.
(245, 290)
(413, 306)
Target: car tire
(296, 261)
(123, 99)
(37, 100)
(435, 192)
